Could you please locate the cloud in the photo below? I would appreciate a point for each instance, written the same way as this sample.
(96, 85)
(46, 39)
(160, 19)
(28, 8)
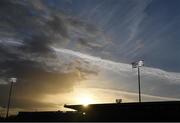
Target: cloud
(28, 32)
(120, 67)
(116, 75)
(139, 30)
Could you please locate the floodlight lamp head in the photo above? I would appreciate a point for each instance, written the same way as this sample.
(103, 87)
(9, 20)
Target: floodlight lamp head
(137, 64)
(141, 63)
(13, 80)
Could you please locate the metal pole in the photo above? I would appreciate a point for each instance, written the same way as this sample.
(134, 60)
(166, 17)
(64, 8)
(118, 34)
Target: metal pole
(139, 84)
(9, 99)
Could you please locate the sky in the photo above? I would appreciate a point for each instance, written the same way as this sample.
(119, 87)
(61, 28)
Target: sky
(79, 51)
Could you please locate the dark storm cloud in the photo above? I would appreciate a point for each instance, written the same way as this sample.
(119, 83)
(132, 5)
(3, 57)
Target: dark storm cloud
(27, 29)
(27, 33)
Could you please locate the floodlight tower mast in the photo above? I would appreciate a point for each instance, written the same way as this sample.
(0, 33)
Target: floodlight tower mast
(12, 80)
(139, 83)
(138, 65)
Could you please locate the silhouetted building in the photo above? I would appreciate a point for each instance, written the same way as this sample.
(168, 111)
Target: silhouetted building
(144, 111)
(49, 116)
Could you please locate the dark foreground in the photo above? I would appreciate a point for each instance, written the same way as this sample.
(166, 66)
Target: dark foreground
(146, 111)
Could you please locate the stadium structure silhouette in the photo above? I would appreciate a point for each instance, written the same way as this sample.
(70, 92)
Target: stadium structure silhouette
(135, 111)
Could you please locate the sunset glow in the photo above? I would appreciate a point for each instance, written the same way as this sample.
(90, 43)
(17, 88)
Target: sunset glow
(84, 97)
(86, 101)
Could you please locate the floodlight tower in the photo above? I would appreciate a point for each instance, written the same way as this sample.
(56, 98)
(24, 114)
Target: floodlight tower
(12, 80)
(137, 65)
